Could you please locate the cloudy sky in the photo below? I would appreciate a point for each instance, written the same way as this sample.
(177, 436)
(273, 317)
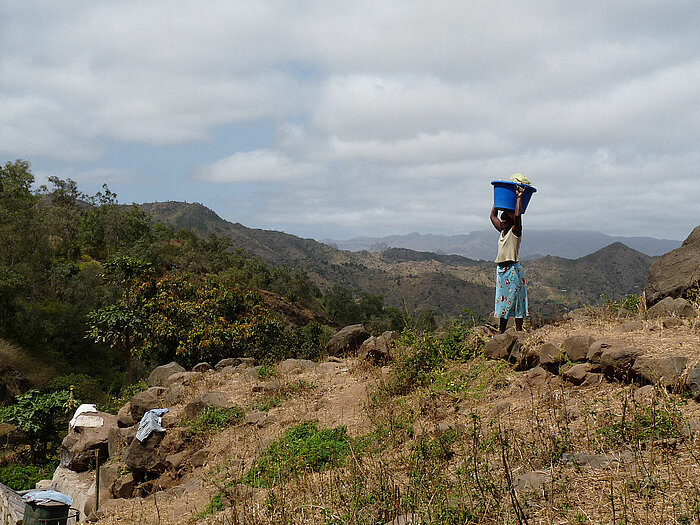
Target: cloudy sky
(334, 119)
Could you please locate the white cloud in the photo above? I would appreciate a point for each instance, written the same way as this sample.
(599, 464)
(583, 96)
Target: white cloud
(262, 166)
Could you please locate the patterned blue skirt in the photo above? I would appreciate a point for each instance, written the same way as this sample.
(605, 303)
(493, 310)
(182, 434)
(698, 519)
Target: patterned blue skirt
(511, 292)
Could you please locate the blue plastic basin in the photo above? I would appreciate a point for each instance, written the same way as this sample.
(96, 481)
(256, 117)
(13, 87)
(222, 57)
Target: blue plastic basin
(504, 195)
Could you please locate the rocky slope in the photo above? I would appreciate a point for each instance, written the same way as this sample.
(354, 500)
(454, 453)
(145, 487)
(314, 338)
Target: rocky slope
(586, 420)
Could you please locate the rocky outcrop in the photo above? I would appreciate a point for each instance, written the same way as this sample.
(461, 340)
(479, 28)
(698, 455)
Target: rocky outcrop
(11, 506)
(145, 401)
(377, 350)
(160, 374)
(347, 341)
(206, 400)
(668, 306)
(676, 272)
(81, 444)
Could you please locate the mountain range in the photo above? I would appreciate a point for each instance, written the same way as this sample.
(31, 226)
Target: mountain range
(481, 245)
(420, 280)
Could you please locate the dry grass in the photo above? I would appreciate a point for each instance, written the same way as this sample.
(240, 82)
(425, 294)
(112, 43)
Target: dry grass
(460, 448)
(15, 357)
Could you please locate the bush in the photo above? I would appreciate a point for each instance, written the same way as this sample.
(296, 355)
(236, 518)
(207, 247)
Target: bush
(25, 477)
(86, 388)
(303, 448)
(214, 418)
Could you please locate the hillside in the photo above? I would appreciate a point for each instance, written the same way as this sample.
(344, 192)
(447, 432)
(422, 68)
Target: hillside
(424, 280)
(479, 245)
(569, 437)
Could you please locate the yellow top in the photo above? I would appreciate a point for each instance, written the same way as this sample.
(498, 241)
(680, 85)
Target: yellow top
(508, 247)
(520, 179)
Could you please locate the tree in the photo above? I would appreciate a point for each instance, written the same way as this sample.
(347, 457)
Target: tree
(37, 415)
(341, 306)
(119, 325)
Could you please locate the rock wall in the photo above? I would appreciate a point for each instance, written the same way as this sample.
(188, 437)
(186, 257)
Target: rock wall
(11, 506)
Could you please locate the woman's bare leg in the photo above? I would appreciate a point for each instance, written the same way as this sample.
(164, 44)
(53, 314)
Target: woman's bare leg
(519, 324)
(502, 324)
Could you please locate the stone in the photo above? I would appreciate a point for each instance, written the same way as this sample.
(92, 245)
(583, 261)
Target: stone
(577, 373)
(443, 428)
(78, 485)
(176, 460)
(202, 367)
(334, 359)
(182, 378)
(377, 350)
(205, 400)
(531, 482)
(330, 368)
(669, 306)
(551, 354)
(665, 370)
(596, 350)
(247, 362)
(693, 381)
(124, 418)
(199, 458)
(536, 376)
(229, 361)
(347, 341)
(617, 362)
(631, 326)
(501, 345)
(147, 457)
(124, 486)
(161, 373)
(592, 379)
(290, 365)
(576, 347)
(175, 394)
(675, 272)
(671, 322)
(501, 407)
(644, 394)
(80, 445)
(145, 401)
(108, 476)
(259, 419)
(523, 357)
(119, 439)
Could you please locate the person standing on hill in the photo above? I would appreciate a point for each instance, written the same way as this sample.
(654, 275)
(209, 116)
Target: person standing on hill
(511, 291)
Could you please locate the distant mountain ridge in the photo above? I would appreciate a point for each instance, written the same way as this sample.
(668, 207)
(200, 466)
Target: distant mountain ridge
(419, 280)
(480, 245)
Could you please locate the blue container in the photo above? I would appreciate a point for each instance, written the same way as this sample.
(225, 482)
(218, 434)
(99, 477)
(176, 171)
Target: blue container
(504, 195)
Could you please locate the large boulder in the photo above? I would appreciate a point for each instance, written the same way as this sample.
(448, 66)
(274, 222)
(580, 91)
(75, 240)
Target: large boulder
(347, 341)
(377, 350)
(206, 400)
(617, 362)
(665, 370)
(161, 373)
(145, 401)
(80, 445)
(576, 347)
(78, 485)
(147, 457)
(668, 306)
(501, 345)
(677, 271)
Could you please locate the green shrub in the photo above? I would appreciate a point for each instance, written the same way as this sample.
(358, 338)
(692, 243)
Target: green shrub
(86, 388)
(25, 477)
(214, 418)
(266, 371)
(303, 448)
(650, 422)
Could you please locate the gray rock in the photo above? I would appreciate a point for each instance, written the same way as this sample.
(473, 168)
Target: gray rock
(596, 461)
(199, 458)
(631, 326)
(183, 378)
(229, 361)
(247, 362)
(531, 482)
(147, 457)
(205, 400)
(124, 418)
(577, 373)
(347, 341)
(551, 354)
(119, 439)
(617, 362)
(669, 306)
(175, 394)
(592, 379)
(145, 401)
(576, 346)
(671, 322)
(693, 381)
(202, 367)
(523, 357)
(124, 486)
(260, 419)
(674, 273)
(666, 370)
(161, 373)
(596, 350)
(81, 443)
(290, 365)
(500, 346)
(644, 394)
(176, 460)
